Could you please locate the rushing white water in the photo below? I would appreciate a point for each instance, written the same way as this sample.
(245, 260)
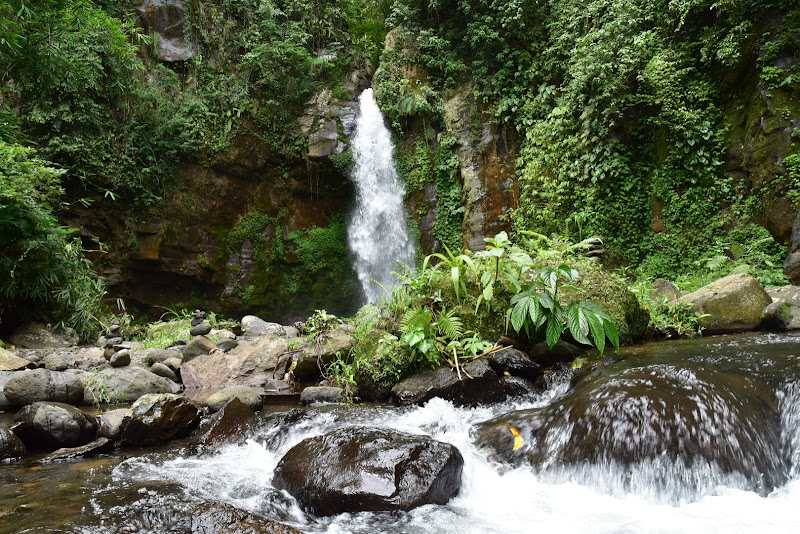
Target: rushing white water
(377, 233)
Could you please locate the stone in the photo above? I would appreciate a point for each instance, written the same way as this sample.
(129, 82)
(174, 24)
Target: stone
(483, 387)
(173, 363)
(112, 341)
(197, 346)
(562, 352)
(99, 446)
(251, 363)
(662, 289)
(201, 329)
(791, 265)
(120, 358)
(291, 331)
(777, 316)
(322, 352)
(27, 387)
(252, 326)
(41, 336)
(160, 355)
(122, 384)
(52, 425)
(54, 362)
(733, 304)
(10, 362)
(362, 469)
(227, 345)
(321, 394)
(87, 359)
(162, 370)
(221, 333)
(167, 18)
(219, 518)
(108, 352)
(112, 422)
(228, 424)
(324, 141)
(515, 363)
(5, 376)
(515, 386)
(157, 418)
(250, 397)
(11, 447)
(790, 294)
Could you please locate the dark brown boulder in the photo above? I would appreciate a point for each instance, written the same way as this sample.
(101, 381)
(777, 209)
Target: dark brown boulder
(483, 386)
(227, 425)
(52, 425)
(157, 418)
(515, 363)
(218, 518)
(363, 469)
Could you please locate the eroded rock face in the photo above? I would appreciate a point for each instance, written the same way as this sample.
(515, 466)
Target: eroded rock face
(734, 303)
(156, 418)
(53, 425)
(361, 469)
(251, 364)
(27, 387)
(168, 19)
(484, 386)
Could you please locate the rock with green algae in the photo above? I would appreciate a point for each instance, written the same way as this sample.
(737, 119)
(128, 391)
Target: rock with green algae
(731, 304)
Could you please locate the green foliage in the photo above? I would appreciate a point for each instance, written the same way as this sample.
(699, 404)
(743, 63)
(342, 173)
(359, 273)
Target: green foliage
(674, 320)
(342, 372)
(320, 321)
(41, 263)
(97, 387)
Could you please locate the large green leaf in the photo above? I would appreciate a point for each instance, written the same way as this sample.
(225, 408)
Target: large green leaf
(577, 324)
(555, 327)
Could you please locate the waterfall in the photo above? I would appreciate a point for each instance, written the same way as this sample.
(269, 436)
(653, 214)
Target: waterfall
(377, 233)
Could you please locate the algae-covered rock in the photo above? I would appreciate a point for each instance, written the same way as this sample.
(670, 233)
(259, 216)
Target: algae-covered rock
(383, 361)
(733, 303)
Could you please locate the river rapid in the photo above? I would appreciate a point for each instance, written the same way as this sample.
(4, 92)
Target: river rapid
(685, 457)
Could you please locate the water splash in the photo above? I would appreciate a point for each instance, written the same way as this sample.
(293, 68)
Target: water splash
(377, 233)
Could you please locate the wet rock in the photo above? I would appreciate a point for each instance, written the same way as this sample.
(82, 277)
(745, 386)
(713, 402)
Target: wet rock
(120, 358)
(27, 387)
(41, 336)
(515, 363)
(122, 384)
(99, 446)
(11, 446)
(162, 370)
(157, 418)
(52, 425)
(227, 425)
(733, 303)
(201, 329)
(252, 326)
(321, 394)
(167, 18)
(250, 364)
(226, 345)
(483, 387)
(197, 346)
(777, 316)
(218, 518)
(111, 423)
(562, 352)
(515, 386)
(10, 362)
(321, 352)
(160, 355)
(249, 396)
(54, 362)
(360, 469)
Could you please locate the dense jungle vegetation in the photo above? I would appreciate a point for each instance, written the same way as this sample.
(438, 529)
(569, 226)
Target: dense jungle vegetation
(622, 112)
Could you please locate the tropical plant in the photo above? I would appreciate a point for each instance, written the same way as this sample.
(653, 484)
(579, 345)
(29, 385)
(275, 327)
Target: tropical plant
(456, 263)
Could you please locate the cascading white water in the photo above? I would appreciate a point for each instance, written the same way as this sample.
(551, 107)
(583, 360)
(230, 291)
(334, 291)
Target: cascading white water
(377, 233)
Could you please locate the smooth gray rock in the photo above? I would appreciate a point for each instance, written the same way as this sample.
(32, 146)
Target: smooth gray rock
(173, 363)
(52, 425)
(120, 358)
(122, 384)
(249, 396)
(112, 422)
(162, 370)
(10, 362)
(252, 326)
(54, 362)
(252, 363)
(227, 345)
(200, 330)
(160, 355)
(732, 304)
(27, 387)
(321, 394)
(197, 346)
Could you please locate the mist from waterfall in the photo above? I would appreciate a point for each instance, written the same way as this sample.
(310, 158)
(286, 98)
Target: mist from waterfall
(377, 234)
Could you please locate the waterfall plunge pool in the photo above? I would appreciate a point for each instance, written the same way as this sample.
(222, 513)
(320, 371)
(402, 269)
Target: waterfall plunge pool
(656, 483)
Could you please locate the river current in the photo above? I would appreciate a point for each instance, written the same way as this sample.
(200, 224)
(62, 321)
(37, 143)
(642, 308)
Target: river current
(155, 490)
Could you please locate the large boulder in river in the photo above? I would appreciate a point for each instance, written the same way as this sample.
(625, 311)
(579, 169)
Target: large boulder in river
(478, 384)
(515, 363)
(156, 418)
(228, 425)
(52, 425)
(123, 384)
(315, 356)
(10, 445)
(219, 518)
(733, 303)
(251, 364)
(27, 387)
(252, 326)
(363, 469)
